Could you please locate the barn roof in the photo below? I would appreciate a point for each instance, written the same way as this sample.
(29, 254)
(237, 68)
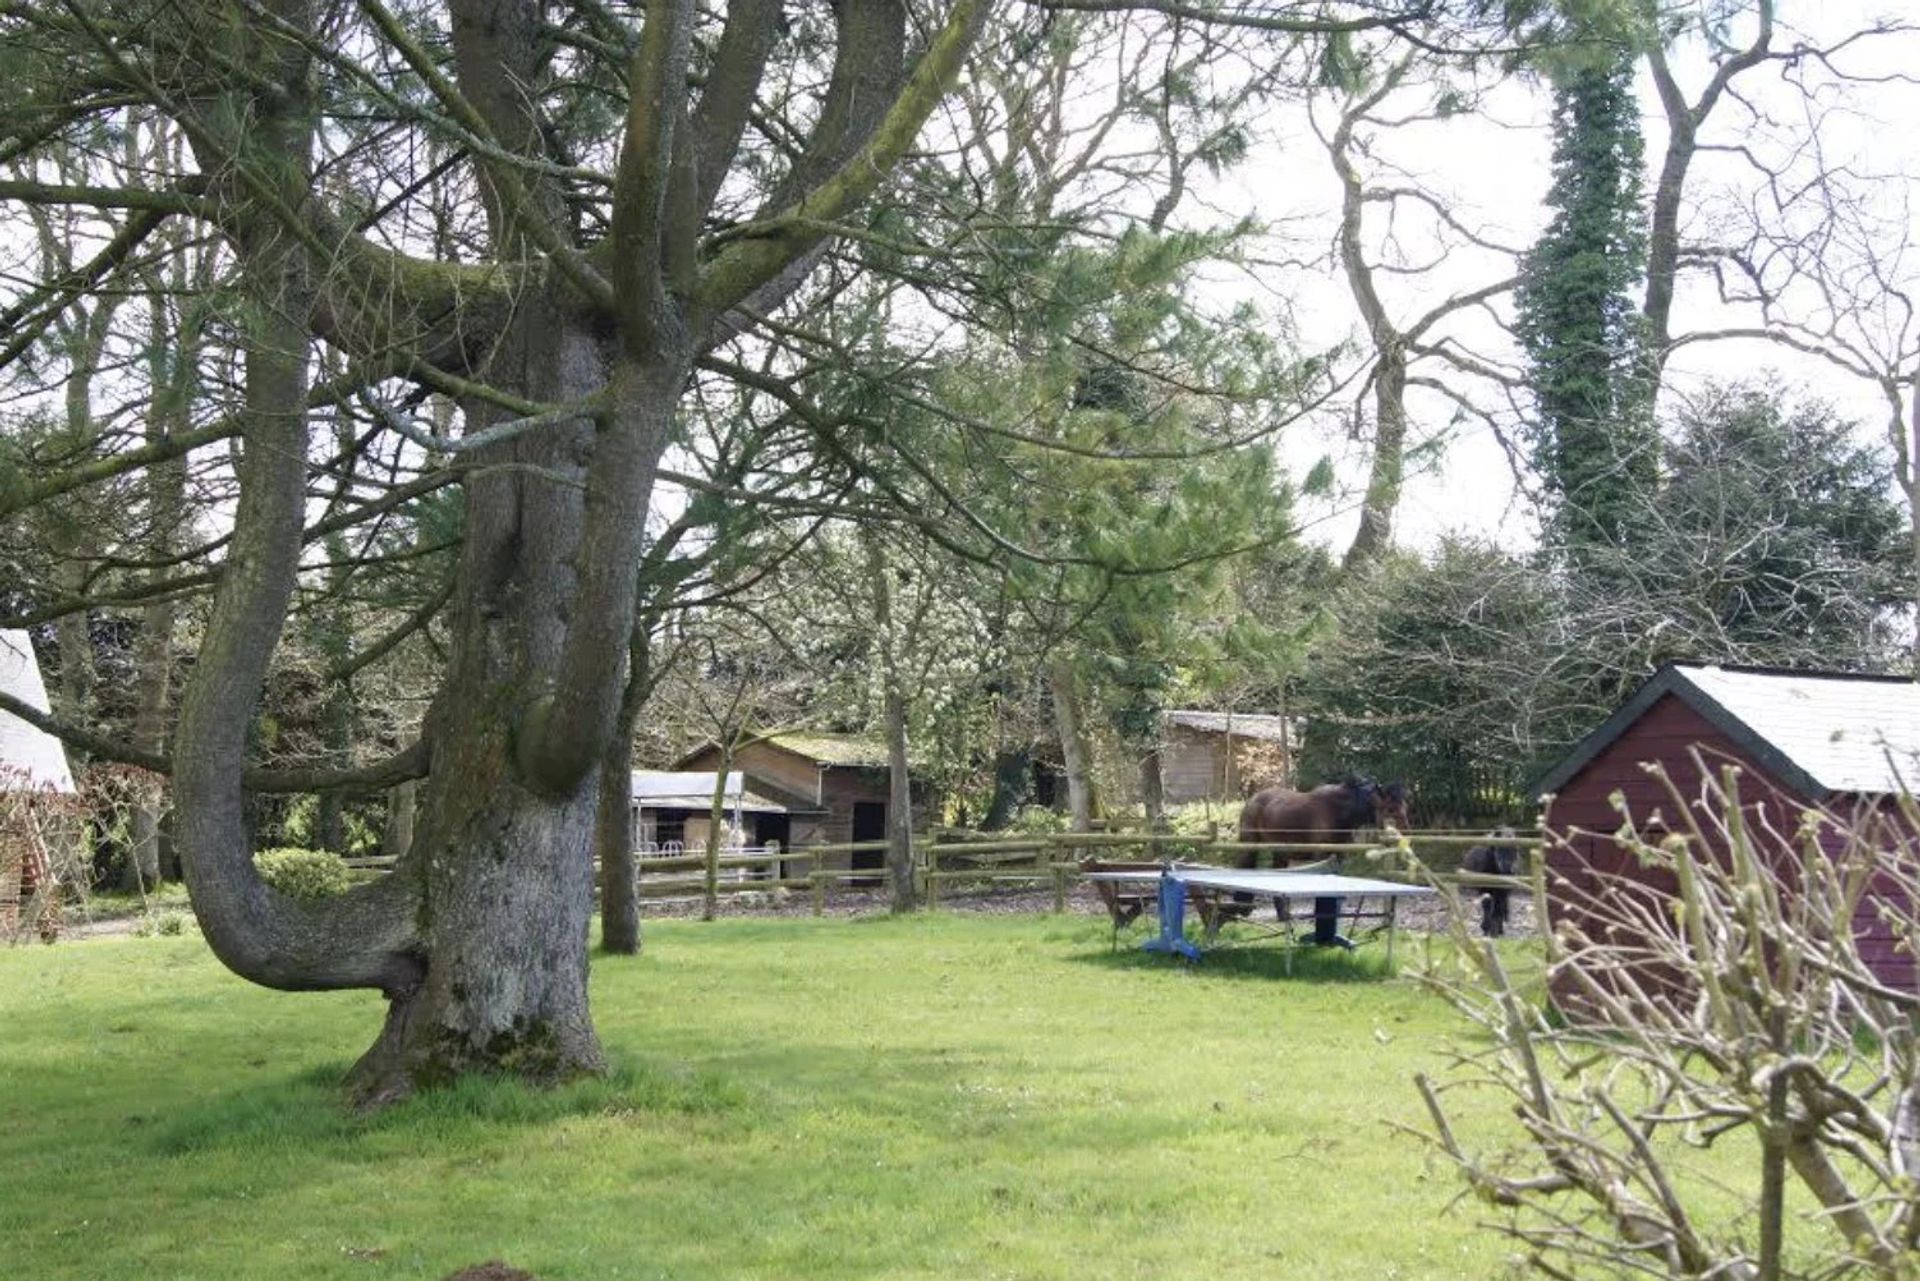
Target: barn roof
(1241, 724)
(1817, 732)
(27, 752)
(828, 750)
(835, 749)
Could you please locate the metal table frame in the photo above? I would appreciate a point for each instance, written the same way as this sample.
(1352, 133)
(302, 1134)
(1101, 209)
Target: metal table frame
(1285, 887)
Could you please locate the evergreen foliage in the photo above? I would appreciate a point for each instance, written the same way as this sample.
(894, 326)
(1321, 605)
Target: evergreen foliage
(1593, 442)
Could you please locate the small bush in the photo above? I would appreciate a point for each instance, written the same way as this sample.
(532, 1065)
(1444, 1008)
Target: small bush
(162, 925)
(302, 873)
(1195, 820)
(1038, 820)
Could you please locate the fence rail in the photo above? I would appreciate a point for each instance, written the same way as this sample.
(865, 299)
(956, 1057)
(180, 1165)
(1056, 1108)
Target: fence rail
(947, 858)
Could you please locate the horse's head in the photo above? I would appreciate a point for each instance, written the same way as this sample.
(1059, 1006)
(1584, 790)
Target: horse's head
(1506, 857)
(1371, 804)
(1390, 805)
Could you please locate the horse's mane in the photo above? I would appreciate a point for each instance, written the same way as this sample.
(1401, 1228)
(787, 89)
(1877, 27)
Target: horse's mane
(1359, 799)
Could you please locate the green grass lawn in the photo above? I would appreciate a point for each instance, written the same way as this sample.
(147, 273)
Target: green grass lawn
(944, 1097)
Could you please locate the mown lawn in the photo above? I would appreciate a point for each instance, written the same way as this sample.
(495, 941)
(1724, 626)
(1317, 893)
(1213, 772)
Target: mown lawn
(945, 1097)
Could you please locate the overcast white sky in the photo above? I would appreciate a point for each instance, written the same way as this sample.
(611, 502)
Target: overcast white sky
(1493, 168)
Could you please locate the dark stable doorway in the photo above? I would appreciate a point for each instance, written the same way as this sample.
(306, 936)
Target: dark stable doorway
(775, 827)
(869, 824)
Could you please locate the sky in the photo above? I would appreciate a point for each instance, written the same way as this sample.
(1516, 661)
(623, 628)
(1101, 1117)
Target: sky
(1492, 168)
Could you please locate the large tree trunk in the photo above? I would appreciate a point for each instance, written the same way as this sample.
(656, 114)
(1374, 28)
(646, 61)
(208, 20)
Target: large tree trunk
(1384, 478)
(512, 804)
(1012, 787)
(1073, 741)
(479, 938)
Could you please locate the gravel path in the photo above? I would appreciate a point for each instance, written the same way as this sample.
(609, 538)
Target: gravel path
(1418, 915)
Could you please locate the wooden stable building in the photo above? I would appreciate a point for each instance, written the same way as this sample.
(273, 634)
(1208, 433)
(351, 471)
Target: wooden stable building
(834, 788)
(1221, 756)
(673, 811)
(1838, 741)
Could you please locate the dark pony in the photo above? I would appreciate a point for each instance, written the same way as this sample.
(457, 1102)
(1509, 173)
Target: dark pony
(1494, 860)
(1329, 814)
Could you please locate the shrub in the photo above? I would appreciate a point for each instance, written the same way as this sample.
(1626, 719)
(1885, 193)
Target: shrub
(162, 925)
(1038, 820)
(303, 873)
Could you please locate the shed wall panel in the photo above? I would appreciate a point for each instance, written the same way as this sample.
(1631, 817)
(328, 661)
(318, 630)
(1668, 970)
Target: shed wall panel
(1668, 732)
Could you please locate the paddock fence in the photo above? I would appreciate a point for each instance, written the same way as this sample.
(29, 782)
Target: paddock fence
(948, 860)
(952, 860)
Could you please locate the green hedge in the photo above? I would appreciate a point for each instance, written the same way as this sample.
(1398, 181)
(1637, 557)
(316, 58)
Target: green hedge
(302, 873)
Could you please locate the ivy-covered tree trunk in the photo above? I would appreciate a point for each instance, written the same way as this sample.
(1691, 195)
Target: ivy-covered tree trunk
(1594, 443)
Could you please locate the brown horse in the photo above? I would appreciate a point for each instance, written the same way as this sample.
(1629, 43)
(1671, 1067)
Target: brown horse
(1327, 815)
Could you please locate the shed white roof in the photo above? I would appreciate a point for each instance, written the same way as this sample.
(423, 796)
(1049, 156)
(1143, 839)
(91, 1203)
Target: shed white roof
(1847, 734)
(693, 789)
(1817, 732)
(27, 754)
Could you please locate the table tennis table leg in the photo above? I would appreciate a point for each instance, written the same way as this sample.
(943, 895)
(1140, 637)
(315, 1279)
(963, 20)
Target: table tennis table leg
(1393, 907)
(1173, 921)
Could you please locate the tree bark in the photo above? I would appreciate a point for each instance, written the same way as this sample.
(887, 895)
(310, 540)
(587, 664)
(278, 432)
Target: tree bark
(716, 824)
(153, 668)
(1153, 790)
(1073, 742)
(1684, 121)
(899, 803)
(894, 718)
(396, 841)
(619, 883)
(1384, 477)
(512, 803)
(613, 836)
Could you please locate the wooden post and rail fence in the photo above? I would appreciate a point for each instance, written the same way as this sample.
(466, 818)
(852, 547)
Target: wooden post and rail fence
(949, 857)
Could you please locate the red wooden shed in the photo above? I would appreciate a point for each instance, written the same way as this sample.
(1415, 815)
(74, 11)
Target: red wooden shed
(1802, 738)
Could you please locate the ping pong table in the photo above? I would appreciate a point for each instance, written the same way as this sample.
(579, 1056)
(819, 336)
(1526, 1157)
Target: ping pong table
(1176, 882)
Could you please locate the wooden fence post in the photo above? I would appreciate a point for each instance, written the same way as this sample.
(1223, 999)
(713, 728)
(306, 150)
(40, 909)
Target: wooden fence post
(933, 875)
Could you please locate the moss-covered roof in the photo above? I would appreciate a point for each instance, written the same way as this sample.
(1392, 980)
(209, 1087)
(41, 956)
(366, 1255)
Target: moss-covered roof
(835, 749)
